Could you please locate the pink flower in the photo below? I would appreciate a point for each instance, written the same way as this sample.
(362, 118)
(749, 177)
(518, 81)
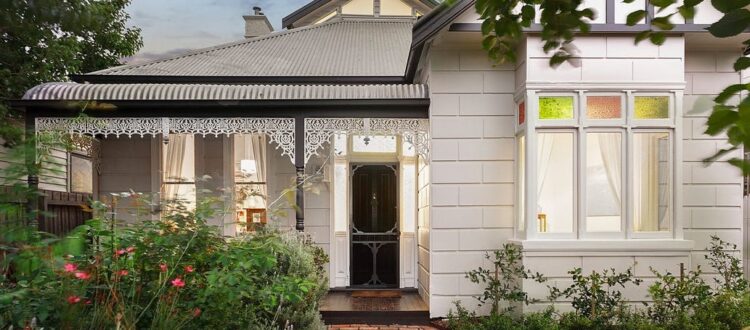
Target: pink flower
(73, 299)
(120, 252)
(82, 276)
(189, 269)
(196, 312)
(178, 282)
(69, 268)
(88, 302)
(163, 267)
(123, 272)
(130, 249)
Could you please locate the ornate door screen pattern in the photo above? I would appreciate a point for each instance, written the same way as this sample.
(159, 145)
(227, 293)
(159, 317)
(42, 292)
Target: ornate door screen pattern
(374, 226)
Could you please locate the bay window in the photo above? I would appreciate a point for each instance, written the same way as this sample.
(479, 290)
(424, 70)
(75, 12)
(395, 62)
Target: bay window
(596, 165)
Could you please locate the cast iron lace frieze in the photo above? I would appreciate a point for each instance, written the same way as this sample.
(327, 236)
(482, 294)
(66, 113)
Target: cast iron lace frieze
(279, 130)
(318, 131)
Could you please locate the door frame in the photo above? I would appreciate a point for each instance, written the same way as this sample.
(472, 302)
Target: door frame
(353, 166)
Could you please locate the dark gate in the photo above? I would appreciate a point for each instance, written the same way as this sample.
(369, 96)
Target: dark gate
(374, 229)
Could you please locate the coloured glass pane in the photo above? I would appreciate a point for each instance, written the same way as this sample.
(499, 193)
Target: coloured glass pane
(521, 113)
(603, 107)
(651, 107)
(556, 107)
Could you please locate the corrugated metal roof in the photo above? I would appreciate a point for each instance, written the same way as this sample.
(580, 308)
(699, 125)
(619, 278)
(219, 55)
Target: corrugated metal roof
(347, 47)
(74, 91)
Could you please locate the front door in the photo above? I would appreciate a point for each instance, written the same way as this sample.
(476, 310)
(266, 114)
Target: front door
(374, 226)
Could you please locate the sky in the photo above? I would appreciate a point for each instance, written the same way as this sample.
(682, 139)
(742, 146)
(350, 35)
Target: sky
(171, 27)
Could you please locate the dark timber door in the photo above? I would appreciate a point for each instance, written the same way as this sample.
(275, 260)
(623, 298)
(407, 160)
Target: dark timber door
(374, 231)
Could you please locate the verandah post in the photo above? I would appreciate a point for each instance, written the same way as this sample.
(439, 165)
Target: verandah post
(299, 165)
(32, 195)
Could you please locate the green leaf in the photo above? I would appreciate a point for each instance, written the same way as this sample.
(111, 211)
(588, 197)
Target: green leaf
(742, 63)
(720, 119)
(732, 24)
(635, 17)
(662, 23)
(687, 12)
(643, 35)
(728, 92)
(662, 3)
(487, 26)
(726, 6)
(658, 38)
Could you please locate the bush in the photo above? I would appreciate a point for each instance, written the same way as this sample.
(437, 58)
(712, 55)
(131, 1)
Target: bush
(178, 272)
(678, 302)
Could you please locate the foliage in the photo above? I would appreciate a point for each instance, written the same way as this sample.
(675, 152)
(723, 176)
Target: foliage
(503, 284)
(45, 40)
(561, 21)
(684, 301)
(597, 296)
(178, 272)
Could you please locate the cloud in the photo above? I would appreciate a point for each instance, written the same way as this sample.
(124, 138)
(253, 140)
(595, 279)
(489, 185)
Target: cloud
(141, 58)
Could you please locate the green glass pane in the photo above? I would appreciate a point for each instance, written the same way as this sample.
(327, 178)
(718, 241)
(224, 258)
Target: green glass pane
(651, 107)
(556, 107)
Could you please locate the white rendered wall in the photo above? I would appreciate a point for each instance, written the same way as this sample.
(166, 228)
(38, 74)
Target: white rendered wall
(713, 194)
(471, 168)
(473, 152)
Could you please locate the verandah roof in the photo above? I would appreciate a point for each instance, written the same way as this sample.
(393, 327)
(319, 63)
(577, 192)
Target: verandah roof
(188, 92)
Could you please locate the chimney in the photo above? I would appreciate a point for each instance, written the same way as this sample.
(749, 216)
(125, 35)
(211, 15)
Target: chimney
(257, 24)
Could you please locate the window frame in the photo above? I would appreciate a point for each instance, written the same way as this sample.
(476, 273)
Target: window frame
(627, 125)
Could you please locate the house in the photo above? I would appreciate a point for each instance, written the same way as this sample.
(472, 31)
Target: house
(426, 155)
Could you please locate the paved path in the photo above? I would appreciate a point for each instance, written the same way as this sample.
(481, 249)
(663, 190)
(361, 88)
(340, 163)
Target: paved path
(379, 327)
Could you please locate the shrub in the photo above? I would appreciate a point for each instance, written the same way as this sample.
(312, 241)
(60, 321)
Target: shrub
(597, 296)
(503, 283)
(178, 272)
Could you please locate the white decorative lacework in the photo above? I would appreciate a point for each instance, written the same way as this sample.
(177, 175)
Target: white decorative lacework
(318, 131)
(279, 130)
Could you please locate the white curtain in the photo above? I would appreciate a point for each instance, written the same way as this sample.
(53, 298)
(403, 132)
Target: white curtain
(651, 186)
(252, 148)
(544, 152)
(610, 146)
(175, 167)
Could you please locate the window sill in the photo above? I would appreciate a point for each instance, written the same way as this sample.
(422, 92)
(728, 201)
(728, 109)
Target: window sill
(631, 246)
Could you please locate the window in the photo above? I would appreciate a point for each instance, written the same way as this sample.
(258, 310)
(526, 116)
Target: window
(250, 186)
(178, 170)
(603, 165)
(81, 173)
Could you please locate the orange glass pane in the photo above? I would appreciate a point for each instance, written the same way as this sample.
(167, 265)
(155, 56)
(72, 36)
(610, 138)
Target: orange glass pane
(521, 113)
(603, 107)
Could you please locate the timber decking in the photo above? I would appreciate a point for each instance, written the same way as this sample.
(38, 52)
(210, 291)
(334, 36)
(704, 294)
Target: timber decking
(342, 308)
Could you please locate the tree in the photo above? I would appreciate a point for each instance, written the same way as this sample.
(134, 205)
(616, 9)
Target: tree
(45, 40)
(562, 20)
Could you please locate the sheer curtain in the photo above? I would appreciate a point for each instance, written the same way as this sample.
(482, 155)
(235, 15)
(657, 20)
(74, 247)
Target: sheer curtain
(651, 181)
(250, 158)
(544, 153)
(610, 146)
(175, 164)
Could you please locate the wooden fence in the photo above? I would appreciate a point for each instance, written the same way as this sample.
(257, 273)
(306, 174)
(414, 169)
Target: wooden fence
(60, 212)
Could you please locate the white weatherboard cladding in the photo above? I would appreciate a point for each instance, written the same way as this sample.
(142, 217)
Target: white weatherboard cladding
(472, 159)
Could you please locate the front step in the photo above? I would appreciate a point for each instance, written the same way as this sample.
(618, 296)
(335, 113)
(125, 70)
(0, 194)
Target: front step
(376, 307)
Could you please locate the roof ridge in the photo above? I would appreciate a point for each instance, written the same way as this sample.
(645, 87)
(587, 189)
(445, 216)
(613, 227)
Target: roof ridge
(222, 46)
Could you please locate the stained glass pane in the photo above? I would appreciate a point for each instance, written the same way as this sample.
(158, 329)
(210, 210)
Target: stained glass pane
(82, 177)
(521, 113)
(556, 107)
(651, 107)
(603, 107)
